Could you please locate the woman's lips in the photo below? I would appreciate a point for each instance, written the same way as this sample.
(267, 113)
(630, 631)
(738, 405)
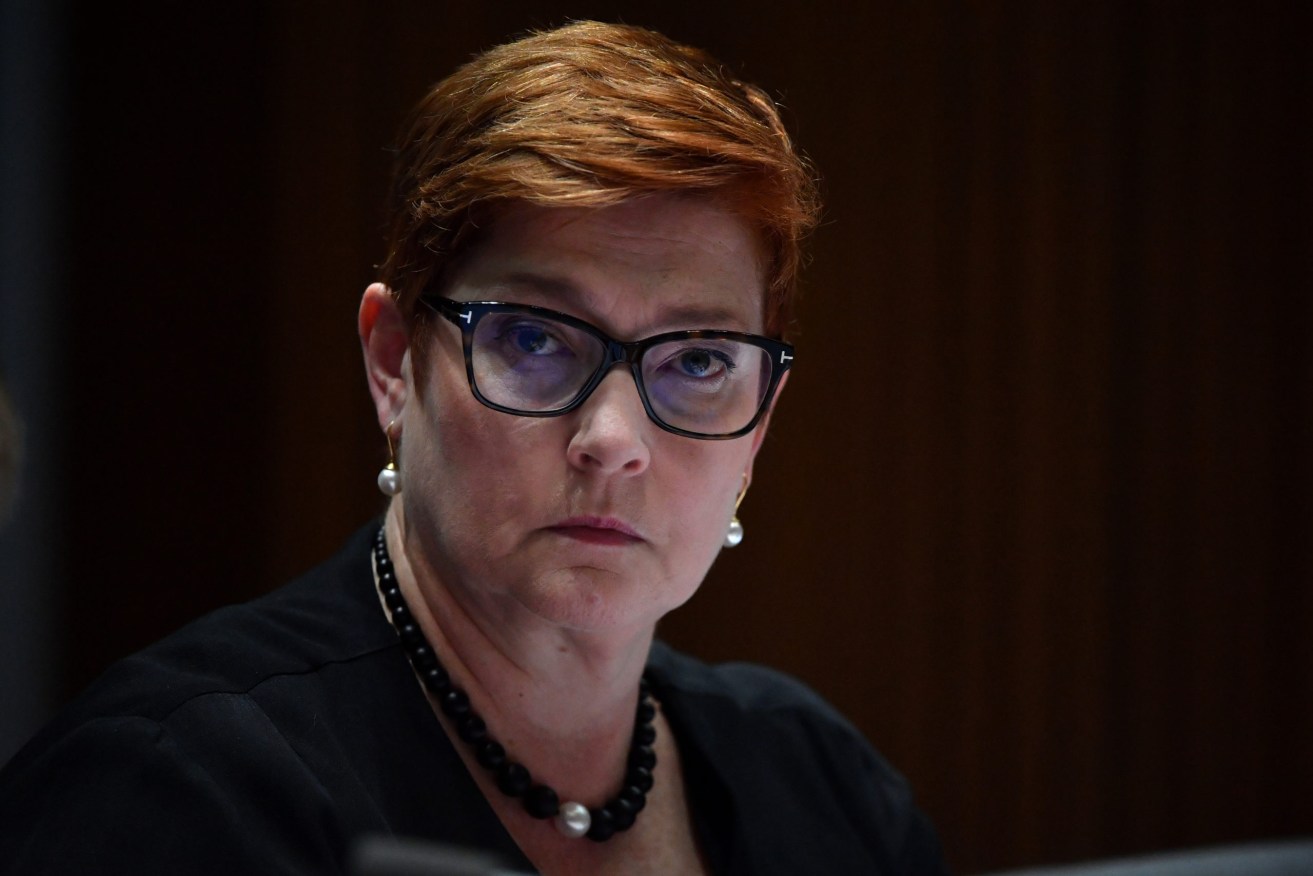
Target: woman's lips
(598, 530)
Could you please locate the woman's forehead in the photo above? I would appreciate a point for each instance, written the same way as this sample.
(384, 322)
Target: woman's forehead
(655, 261)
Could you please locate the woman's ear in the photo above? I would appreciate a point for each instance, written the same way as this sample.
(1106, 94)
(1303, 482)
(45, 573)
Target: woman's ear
(385, 344)
(759, 433)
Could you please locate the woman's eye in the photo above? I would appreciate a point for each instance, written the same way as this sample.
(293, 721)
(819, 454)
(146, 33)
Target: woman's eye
(532, 339)
(704, 363)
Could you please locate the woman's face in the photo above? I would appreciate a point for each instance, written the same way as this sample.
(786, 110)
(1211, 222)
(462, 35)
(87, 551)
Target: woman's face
(597, 519)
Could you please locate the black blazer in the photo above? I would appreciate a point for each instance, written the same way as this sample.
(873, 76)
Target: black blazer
(269, 737)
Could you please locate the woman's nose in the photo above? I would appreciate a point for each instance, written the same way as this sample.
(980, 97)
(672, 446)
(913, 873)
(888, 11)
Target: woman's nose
(612, 428)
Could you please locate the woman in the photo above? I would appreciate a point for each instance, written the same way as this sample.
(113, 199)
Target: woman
(573, 353)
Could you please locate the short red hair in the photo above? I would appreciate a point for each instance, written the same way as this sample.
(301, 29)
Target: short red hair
(589, 115)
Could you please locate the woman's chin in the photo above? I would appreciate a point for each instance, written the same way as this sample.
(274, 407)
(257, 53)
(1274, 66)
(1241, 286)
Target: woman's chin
(586, 599)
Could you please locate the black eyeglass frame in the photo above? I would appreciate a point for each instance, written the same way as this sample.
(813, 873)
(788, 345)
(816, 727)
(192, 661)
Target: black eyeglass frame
(465, 315)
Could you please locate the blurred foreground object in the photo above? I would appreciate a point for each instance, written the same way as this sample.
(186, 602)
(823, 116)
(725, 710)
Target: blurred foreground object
(11, 453)
(392, 856)
(1259, 859)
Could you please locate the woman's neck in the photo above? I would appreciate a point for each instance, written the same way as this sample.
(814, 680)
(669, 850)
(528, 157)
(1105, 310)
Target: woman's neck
(561, 701)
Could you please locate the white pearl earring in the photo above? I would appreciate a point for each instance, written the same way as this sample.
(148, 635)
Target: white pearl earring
(734, 535)
(389, 479)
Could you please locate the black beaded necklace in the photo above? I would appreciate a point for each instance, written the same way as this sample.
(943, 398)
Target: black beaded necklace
(572, 819)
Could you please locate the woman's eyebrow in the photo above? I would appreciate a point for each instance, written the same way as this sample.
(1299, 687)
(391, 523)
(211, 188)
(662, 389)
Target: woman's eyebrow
(558, 287)
(567, 293)
(704, 316)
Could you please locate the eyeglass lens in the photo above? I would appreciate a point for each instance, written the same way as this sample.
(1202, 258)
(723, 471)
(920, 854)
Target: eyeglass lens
(535, 364)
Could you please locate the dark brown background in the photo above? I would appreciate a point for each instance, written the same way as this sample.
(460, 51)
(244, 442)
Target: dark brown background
(1036, 507)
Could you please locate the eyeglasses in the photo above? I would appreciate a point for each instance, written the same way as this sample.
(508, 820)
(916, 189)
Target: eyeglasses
(536, 362)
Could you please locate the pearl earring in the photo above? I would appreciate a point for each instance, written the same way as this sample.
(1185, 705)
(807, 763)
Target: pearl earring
(734, 535)
(389, 479)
